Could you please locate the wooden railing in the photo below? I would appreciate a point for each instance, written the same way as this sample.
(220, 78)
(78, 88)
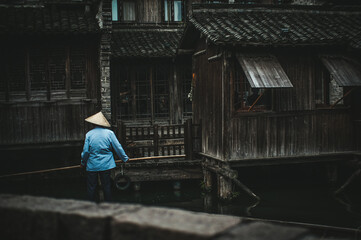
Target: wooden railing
(159, 140)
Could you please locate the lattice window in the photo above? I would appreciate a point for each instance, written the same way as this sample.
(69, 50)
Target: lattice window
(125, 97)
(143, 99)
(161, 91)
(57, 61)
(15, 70)
(37, 68)
(77, 68)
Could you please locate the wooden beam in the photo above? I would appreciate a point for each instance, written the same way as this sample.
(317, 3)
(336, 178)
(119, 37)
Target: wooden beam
(163, 173)
(201, 52)
(215, 58)
(232, 175)
(78, 166)
(185, 51)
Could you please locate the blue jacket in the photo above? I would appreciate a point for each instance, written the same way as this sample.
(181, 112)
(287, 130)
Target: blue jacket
(97, 153)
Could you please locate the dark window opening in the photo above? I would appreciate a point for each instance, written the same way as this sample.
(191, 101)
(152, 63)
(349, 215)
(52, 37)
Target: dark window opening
(143, 92)
(125, 96)
(38, 72)
(143, 97)
(245, 97)
(57, 68)
(77, 68)
(161, 92)
(15, 71)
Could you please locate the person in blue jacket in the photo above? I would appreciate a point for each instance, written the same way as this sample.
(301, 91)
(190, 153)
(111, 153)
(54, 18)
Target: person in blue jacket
(97, 155)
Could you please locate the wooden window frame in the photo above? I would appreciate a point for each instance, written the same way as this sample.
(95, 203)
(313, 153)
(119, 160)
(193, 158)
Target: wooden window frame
(133, 94)
(242, 91)
(170, 6)
(46, 94)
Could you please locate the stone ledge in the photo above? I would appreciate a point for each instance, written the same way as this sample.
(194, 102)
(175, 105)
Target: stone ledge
(27, 217)
(164, 223)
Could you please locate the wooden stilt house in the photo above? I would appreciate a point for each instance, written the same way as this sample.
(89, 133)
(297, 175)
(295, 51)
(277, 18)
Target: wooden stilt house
(275, 84)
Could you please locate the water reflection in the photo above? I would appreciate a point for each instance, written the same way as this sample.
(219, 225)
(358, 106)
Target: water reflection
(308, 203)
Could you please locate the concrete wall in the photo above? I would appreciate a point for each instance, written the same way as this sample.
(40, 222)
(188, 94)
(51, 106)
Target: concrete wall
(26, 217)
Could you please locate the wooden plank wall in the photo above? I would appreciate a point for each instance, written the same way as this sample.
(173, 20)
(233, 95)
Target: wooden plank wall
(149, 11)
(296, 134)
(301, 68)
(58, 119)
(207, 100)
(44, 122)
(295, 127)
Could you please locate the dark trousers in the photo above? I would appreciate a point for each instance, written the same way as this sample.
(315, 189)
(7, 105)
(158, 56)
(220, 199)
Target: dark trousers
(92, 183)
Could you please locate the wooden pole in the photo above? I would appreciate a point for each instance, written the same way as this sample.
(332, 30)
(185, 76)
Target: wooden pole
(78, 166)
(349, 180)
(155, 140)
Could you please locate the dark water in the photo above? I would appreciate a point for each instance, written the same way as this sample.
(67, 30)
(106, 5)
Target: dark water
(300, 196)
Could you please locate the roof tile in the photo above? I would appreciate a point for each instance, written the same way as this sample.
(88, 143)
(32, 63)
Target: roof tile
(145, 42)
(40, 19)
(275, 26)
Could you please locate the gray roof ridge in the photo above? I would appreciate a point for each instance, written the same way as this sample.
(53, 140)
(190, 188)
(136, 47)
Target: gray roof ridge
(147, 30)
(214, 8)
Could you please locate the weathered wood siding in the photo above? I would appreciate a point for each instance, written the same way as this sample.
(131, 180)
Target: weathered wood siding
(294, 134)
(50, 115)
(44, 122)
(301, 68)
(294, 127)
(150, 11)
(207, 100)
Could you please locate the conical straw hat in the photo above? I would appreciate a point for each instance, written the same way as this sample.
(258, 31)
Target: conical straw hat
(98, 119)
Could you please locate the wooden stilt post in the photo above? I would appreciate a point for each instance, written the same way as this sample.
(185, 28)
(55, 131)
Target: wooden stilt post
(225, 187)
(208, 180)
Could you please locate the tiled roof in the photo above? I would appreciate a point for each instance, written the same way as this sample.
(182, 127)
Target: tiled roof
(145, 42)
(275, 26)
(49, 20)
(356, 41)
